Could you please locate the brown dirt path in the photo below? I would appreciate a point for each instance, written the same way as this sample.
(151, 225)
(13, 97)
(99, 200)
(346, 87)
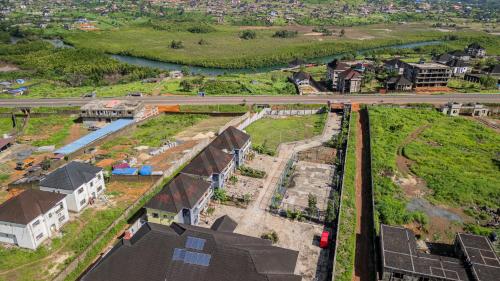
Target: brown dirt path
(364, 267)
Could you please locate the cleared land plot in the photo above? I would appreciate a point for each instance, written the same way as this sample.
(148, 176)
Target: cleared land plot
(270, 132)
(455, 158)
(309, 178)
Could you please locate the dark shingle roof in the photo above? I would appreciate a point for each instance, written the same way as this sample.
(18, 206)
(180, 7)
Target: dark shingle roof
(148, 256)
(70, 176)
(494, 70)
(394, 63)
(210, 161)
(28, 205)
(475, 46)
(399, 80)
(338, 65)
(444, 58)
(457, 63)
(182, 192)
(300, 76)
(225, 224)
(231, 139)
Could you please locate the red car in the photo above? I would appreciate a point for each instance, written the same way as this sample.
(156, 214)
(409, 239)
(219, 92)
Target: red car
(323, 243)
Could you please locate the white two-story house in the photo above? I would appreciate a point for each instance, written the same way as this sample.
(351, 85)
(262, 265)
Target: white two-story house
(31, 217)
(80, 182)
(181, 200)
(235, 142)
(213, 164)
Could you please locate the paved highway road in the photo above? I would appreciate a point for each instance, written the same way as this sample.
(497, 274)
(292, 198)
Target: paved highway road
(366, 99)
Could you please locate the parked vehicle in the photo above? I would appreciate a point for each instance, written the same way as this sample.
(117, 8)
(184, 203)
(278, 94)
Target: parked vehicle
(22, 165)
(323, 242)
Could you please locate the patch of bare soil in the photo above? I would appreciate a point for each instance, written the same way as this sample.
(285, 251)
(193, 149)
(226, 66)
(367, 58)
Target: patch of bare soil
(412, 185)
(76, 131)
(319, 154)
(7, 67)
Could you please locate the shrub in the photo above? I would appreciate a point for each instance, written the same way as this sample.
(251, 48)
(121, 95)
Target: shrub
(201, 29)
(250, 172)
(272, 235)
(285, 34)
(175, 44)
(263, 149)
(220, 195)
(248, 34)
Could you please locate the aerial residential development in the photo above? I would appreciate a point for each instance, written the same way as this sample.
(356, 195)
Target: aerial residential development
(269, 140)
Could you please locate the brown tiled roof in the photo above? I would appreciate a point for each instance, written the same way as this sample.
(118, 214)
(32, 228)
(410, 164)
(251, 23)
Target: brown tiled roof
(182, 192)
(149, 255)
(231, 139)
(6, 141)
(349, 74)
(28, 205)
(210, 161)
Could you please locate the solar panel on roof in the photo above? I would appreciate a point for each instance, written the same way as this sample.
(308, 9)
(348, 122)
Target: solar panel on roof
(195, 243)
(179, 254)
(191, 257)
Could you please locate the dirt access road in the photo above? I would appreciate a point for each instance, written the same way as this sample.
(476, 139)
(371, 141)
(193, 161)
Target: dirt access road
(364, 263)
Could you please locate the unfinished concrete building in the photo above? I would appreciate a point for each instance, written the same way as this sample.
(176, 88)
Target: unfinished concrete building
(110, 110)
(427, 74)
(456, 109)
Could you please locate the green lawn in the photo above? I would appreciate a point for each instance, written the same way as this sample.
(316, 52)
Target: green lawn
(346, 250)
(270, 132)
(50, 130)
(457, 157)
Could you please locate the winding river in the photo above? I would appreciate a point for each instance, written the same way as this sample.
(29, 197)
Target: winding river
(212, 71)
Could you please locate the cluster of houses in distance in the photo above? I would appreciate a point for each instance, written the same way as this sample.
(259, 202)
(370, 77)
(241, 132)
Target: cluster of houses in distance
(347, 76)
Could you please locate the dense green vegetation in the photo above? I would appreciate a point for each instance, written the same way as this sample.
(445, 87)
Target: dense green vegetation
(457, 158)
(226, 49)
(344, 267)
(270, 132)
(74, 67)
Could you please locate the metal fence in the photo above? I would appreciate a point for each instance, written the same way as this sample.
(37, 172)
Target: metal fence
(283, 180)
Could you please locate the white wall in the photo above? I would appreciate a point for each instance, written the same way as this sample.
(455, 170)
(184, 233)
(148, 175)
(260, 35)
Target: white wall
(83, 193)
(31, 236)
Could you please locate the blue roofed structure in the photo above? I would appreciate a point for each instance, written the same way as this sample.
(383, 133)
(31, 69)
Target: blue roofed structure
(94, 136)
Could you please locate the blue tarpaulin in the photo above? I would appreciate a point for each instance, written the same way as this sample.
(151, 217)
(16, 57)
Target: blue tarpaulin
(92, 137)
(125, 171)
(146, 170)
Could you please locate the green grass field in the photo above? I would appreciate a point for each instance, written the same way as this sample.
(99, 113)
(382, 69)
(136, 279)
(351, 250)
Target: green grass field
(346, 250)
(271, 132)
(457, 158)
(226, 49)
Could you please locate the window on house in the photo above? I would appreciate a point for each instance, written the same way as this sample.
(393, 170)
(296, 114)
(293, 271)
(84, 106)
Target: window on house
(50, 215)
(99, 176)
(80, 190)
(37, 222)
(82, 202)
(99, 188)
(62, 218)
(91, 184)
(155, 215)
(39, 236)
